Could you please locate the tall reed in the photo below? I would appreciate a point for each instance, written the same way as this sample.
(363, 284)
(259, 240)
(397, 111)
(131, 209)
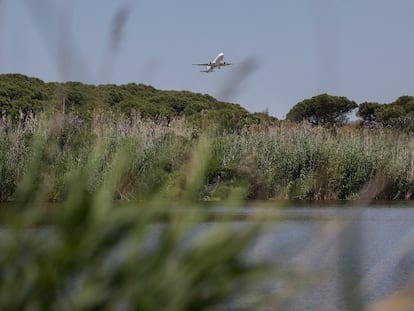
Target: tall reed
(303, 162)
(287, 161)
(87, 253)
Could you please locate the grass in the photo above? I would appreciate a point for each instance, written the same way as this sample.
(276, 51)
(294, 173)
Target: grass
(287, 161)
(89, 253)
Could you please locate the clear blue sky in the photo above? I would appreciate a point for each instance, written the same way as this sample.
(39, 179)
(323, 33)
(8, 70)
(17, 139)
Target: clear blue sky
(283, 50)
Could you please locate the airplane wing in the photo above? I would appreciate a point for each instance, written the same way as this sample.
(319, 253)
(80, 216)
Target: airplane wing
(201, 64)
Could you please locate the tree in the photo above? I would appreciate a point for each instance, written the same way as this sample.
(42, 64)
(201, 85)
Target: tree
(368, 111)
(406, 102)
(323, 109)
(392, 116)
(396, 115)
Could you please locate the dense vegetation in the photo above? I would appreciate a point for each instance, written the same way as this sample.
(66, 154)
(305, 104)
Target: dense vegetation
(323, 110)
(21, 95)
(286, 161)
(294, 159)
(397, 115)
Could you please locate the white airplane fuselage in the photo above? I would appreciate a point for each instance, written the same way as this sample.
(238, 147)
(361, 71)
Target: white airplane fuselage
(217, 62)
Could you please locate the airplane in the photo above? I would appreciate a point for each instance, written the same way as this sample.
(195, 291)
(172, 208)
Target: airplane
(216, 63)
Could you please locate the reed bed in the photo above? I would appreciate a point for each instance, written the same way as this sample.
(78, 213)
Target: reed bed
(314, 163)
(286, 161)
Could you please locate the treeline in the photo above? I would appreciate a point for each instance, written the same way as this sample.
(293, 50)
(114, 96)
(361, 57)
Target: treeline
(21, 96)
(328, 110)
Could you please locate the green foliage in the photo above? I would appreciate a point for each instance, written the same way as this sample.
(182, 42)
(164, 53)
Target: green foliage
(324, 110)
(353, 167)
(392, 116)
(300, 162)
(284, 161)
(368, 111)
(88, 254)
(19, 93)
(396, 115)
(14, 145)
(268, 158)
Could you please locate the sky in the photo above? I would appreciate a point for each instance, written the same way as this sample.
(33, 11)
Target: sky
(283, 51)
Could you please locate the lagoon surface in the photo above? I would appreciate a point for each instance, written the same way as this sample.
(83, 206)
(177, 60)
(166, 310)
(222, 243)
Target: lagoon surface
(342, 256)
(350, 256)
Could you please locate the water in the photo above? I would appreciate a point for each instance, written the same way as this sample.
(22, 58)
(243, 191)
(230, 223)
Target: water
(354, 256)
(348, 256)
